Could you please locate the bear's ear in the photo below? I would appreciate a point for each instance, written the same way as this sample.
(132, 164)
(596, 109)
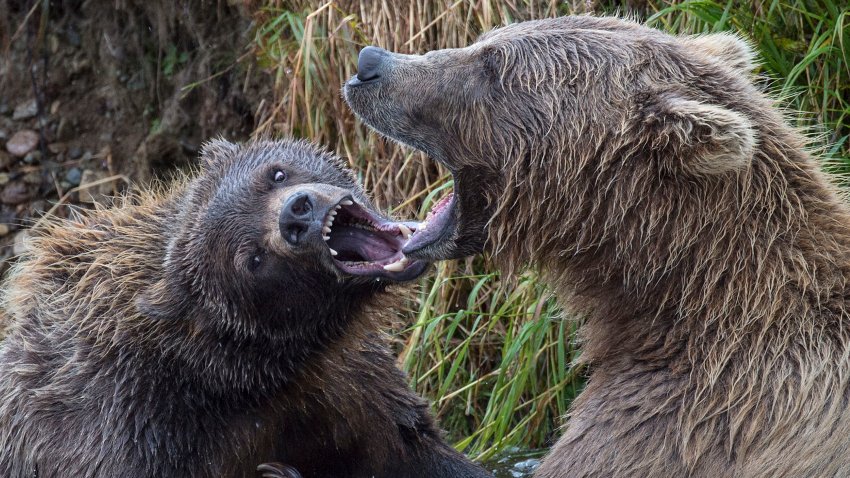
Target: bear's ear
(701, 138)
(730, 49)
(216, 151)
(161, 301)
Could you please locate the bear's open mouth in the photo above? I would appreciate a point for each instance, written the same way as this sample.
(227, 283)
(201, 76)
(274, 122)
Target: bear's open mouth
(363, 243)
(435, 227)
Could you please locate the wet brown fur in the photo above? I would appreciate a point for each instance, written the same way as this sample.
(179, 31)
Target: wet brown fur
(668, 202)
(113, 366)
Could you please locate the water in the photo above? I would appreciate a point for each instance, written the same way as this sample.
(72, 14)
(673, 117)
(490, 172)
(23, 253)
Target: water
(515, 463)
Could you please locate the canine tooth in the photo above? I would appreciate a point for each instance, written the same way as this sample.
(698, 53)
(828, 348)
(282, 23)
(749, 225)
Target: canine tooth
(346, 202)
(405, 231)
(333, 252)
(396, 266)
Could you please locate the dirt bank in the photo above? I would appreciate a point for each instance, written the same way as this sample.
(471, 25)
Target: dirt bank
(99, 94)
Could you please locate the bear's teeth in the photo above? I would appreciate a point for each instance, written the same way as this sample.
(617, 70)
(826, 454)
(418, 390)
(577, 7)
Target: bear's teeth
(423, 226)
(333, 252)
(405, 231)
(326, 230)
(326, 238)
(396, 266)
(346, 202)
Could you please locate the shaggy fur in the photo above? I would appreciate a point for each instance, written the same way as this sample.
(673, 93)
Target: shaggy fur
(176, 335)
(668, 202)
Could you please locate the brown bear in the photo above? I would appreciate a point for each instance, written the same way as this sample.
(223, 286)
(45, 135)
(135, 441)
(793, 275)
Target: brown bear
(668, 202)
(201, 331)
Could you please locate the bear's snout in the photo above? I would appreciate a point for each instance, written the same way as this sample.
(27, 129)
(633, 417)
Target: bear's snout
(296, 217)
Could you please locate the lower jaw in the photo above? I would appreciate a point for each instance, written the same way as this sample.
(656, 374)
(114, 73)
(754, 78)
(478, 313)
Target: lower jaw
(434, 230)
(408, 269)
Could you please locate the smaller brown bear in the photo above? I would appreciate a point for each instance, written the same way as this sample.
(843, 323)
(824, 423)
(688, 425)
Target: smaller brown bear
(667, 202)
(204, 330)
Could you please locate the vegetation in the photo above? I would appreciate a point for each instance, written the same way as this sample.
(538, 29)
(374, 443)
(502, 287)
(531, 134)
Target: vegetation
(494, 353)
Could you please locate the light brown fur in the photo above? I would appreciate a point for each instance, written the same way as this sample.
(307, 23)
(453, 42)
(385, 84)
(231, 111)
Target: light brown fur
(668, 202)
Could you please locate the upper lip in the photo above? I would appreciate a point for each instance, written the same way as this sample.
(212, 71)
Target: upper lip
(356, 81)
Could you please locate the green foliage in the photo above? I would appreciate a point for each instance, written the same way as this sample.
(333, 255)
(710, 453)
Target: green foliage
(492, 353)
(173, 59)
(804, 48)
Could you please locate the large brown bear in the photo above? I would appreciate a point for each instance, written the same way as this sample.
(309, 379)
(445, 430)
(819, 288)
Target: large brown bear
(204, 330)
(667, 201)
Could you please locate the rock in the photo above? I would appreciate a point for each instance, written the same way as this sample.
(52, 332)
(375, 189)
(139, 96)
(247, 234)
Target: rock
(4, 109)
(79, 64)
(53, 41)
(72, 36)
(136, 83)
(62, 128)
(38, 208)
(4, 178)
(4, 229)
(22, 142)
(32, 178)
(75, 152)
(15, 193)
(6, 160)
(21, 243)
(33, 157)
(25, 110)
(74, 176)
(56, 148)
(95, 193)
(527, 466)
(10, 219)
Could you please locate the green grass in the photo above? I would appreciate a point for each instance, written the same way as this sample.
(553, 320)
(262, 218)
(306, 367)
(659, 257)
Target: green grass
(493, 353)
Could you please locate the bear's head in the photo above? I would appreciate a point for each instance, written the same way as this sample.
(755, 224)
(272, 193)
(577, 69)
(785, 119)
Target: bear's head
(274, 239)
(550, 115)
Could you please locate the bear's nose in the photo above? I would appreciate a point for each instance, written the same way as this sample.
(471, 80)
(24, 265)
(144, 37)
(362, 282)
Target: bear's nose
(295, 217)
(369, 63)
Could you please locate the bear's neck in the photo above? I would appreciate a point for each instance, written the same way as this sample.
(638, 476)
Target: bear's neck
(251, 365)
(682, 271)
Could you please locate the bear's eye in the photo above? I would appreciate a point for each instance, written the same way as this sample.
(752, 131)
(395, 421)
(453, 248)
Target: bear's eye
(279, 176)
(256, 260)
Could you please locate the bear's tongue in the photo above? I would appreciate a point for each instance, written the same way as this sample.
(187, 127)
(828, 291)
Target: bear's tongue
(354, 243)
(434, 227)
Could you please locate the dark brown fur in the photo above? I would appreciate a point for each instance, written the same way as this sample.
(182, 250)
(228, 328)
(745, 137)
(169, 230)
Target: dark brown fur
(668, 202)
(142, 344)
